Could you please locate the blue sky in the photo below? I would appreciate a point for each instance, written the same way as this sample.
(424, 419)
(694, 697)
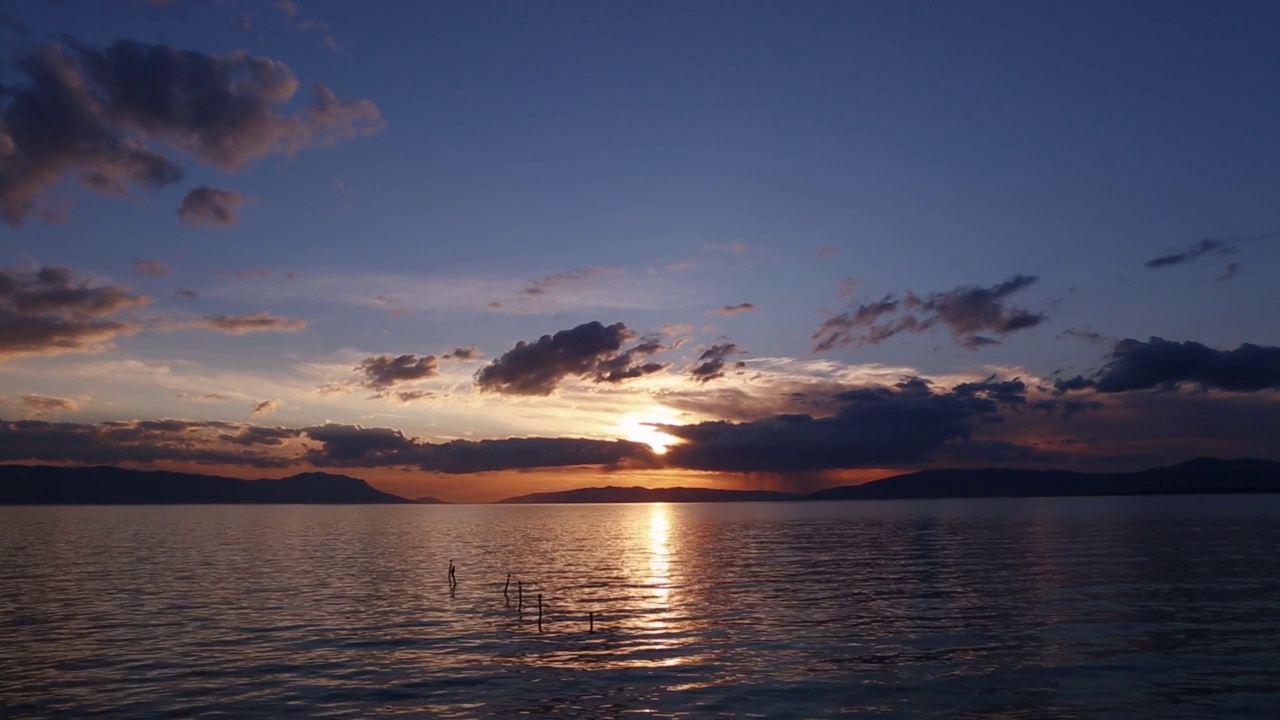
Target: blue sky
(661, 161)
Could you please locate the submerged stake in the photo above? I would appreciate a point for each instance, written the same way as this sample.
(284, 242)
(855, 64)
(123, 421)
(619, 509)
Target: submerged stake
(539, 612)
(591, 622)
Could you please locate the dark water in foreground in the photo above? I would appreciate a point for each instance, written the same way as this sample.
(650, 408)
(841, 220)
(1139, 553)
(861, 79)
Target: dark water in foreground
(1092, 608)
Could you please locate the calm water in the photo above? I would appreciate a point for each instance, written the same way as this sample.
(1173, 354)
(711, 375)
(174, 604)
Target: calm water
(1090, 608)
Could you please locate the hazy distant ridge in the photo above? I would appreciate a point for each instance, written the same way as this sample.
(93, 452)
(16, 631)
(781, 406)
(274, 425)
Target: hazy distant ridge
(1203, 475)
(44, 485)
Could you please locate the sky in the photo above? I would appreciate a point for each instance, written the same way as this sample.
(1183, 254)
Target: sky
(474, 250)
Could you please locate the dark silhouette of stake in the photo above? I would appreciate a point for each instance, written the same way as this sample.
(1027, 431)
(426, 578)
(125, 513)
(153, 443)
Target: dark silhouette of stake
(504, 589)
(591, 622)
(453, 577)
(520, 596)
(539, 612)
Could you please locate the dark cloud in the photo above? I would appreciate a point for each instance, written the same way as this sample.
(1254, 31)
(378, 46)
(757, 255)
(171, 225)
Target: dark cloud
(257, 435)
(44, 404)
(977, 341)
(252, 322)
(1200, 249)
(590, 351)
(142, 442)
(965, 311)
(1073, 384)
(355, 446)
(714, 361)
(407, 396)
(266, 407)
(53, 310)
(1088, 336)
(211, 206)
(736, 309)
(972, 309)
(150, 268)
(383, 371)
(872, 427)
(467, 353)
(187, 293)
(1163, 364)
(97, 115)
(1232, 270)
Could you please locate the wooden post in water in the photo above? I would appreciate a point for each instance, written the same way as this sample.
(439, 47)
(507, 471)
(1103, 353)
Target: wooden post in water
(504, 588)
(591, 622)
(519, 596)
(539, 612)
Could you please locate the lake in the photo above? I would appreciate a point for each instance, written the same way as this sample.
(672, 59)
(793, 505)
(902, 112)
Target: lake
(1134, 607)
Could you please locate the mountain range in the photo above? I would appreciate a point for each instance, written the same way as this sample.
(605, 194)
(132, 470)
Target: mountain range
(47, 485)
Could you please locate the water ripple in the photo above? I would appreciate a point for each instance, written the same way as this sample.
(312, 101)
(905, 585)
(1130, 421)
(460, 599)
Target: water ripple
(1071, 608)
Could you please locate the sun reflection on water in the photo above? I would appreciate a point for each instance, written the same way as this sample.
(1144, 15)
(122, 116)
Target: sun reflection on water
(659, 579)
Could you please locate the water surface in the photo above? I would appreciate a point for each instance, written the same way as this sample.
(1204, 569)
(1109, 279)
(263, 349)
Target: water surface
(1066, 607)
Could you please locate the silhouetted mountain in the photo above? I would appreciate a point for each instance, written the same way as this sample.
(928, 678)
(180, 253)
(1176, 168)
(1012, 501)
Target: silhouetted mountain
(613, 494)
(1202, 475)
(428, 500)
(44, 485)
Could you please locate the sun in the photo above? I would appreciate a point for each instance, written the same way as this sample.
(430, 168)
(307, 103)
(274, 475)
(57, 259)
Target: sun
(639, 427)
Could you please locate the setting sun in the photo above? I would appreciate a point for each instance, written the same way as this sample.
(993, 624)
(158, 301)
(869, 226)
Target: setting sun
(639, 427)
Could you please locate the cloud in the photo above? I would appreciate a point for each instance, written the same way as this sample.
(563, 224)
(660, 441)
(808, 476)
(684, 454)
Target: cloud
(1088, 336)
(407, 396)
(590, 351)
(1200, 249)
(970, 309)
(144, 442)
(383, 371)
(99, 114)
(965, 311)
(871, 427)
(546, 285)
(211, 206)
(736, 309)
(186, 293)
(1163, 364)
(467, 353)
(150, 268)
(51, 310)
(355, 446)
(1231, 271)
(252, 322)
(266, 407)
(43, 404)
(330, 43)
(711, 364)
(287, 8)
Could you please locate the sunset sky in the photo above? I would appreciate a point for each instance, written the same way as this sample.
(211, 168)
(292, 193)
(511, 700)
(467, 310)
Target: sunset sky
(475, 250)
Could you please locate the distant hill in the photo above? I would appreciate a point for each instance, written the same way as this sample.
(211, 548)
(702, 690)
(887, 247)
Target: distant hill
(1200, 476)
(428, 500)
(613, 494)
(45, 485)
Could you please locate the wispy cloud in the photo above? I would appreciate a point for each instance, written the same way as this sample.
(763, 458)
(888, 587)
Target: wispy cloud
(736, 309)
(479, 294)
